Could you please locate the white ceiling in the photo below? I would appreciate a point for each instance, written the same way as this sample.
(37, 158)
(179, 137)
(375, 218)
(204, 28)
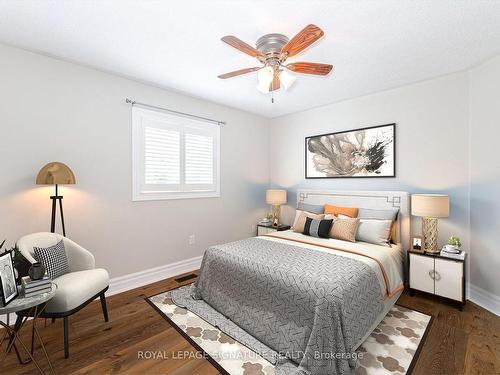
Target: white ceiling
(373, 45)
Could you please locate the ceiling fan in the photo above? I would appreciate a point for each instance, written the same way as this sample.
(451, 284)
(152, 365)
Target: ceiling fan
(272, 50)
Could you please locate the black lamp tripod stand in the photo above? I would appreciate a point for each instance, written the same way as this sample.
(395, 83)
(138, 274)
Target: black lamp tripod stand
(57, 198)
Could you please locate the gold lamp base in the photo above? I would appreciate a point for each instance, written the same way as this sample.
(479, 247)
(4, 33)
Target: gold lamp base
(276, 212)
(430, 234)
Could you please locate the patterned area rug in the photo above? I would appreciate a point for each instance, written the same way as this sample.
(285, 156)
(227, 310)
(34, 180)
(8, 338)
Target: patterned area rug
(392, 348)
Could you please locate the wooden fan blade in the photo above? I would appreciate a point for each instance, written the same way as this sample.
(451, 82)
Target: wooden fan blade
(310, 68)
(241, 45)
(275, 84)
(238, 72)
(302, 40)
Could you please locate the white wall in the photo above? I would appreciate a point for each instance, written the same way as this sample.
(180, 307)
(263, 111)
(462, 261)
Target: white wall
(485, 177)
(431, 144)
(57, 111)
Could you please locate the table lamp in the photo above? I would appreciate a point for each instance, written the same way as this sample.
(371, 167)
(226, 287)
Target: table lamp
(276, 198)
(430, 207)
(56, 173)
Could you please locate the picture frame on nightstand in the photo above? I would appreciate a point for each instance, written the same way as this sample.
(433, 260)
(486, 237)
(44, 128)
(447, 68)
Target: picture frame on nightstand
(416, 243)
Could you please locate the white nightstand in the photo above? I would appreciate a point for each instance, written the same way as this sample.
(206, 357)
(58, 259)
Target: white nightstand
(265, 229)
(436, 274)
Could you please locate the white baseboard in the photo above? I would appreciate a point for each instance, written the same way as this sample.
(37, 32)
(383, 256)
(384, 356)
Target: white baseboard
(484, 299)
(141, 278)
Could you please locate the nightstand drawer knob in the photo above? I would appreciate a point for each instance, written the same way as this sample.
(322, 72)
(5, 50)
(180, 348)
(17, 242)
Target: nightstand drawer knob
(434, 275)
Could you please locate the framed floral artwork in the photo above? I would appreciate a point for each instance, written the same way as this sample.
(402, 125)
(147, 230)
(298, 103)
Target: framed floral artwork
(365, 152)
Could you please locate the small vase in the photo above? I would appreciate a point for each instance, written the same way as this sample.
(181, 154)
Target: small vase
(36, 271)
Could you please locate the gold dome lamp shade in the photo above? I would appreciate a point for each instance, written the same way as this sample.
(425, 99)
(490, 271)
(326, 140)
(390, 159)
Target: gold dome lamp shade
(56, 173)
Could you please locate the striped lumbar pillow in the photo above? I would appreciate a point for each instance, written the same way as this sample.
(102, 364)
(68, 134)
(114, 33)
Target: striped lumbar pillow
(317, 228)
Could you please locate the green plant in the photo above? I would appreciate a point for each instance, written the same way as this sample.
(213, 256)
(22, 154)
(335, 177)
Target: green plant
(269, 216)
(454, 241)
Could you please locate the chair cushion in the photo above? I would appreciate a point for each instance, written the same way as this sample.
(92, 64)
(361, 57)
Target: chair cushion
(53, 258)
(75, 288)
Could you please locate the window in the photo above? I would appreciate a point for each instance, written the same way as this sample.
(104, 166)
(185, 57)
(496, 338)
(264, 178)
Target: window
(173, 156)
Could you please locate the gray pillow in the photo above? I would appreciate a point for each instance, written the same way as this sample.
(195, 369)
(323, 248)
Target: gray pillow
(314, 208)
(387, 214)
(374, 231)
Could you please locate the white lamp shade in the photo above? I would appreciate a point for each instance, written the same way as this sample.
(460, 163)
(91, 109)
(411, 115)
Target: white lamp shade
(275, 196)
(265, 75)
(430, 205)
(287, 79)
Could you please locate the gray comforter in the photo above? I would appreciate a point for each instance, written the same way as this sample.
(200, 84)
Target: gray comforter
(309, 306)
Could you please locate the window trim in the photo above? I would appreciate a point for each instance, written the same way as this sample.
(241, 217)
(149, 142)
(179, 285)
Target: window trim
(138, 194)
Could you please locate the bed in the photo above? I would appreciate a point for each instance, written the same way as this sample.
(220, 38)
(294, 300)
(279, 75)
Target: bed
(304, 303)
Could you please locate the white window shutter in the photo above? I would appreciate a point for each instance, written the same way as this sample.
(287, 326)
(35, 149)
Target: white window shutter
(162, 158)
(174, 157)
(199, 162)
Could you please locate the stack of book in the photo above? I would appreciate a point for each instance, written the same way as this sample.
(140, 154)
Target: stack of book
(458, 256)
(34, 287)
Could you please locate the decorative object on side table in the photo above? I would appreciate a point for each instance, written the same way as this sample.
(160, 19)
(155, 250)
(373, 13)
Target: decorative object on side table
(366, 152)
(56, 173)
(267, 221)
(416, 243)
(8, 287)
(34, 287)
(21, 264)
(276, 198)
(430, 207)
(36, 271)
(453, 245)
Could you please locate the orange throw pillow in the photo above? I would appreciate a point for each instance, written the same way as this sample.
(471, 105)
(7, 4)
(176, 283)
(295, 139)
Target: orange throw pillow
(336, 211)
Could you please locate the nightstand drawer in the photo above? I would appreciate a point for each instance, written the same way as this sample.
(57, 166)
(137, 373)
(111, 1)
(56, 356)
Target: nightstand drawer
(421, 272)
(263, 230)
(448, 277)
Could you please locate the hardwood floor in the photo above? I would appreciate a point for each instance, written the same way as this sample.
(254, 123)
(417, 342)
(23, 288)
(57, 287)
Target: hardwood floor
(466, 342)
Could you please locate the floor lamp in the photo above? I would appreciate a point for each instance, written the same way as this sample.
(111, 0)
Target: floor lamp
(56, 173)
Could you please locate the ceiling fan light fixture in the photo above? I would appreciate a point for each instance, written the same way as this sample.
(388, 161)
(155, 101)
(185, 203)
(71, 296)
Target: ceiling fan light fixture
(263, 87)
(286, 79)
(265, 75)
(272, 51)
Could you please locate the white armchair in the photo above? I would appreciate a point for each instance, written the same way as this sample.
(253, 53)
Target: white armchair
(76, 289)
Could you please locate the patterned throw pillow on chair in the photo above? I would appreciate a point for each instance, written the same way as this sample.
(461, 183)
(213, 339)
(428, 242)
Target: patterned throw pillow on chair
(54, 259)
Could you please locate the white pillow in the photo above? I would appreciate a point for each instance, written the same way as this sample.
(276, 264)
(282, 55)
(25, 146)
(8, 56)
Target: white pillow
(297, 215)
(340, 216)
(374, 231)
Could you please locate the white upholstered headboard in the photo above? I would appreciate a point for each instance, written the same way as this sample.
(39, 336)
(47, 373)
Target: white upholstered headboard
(366, 199)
